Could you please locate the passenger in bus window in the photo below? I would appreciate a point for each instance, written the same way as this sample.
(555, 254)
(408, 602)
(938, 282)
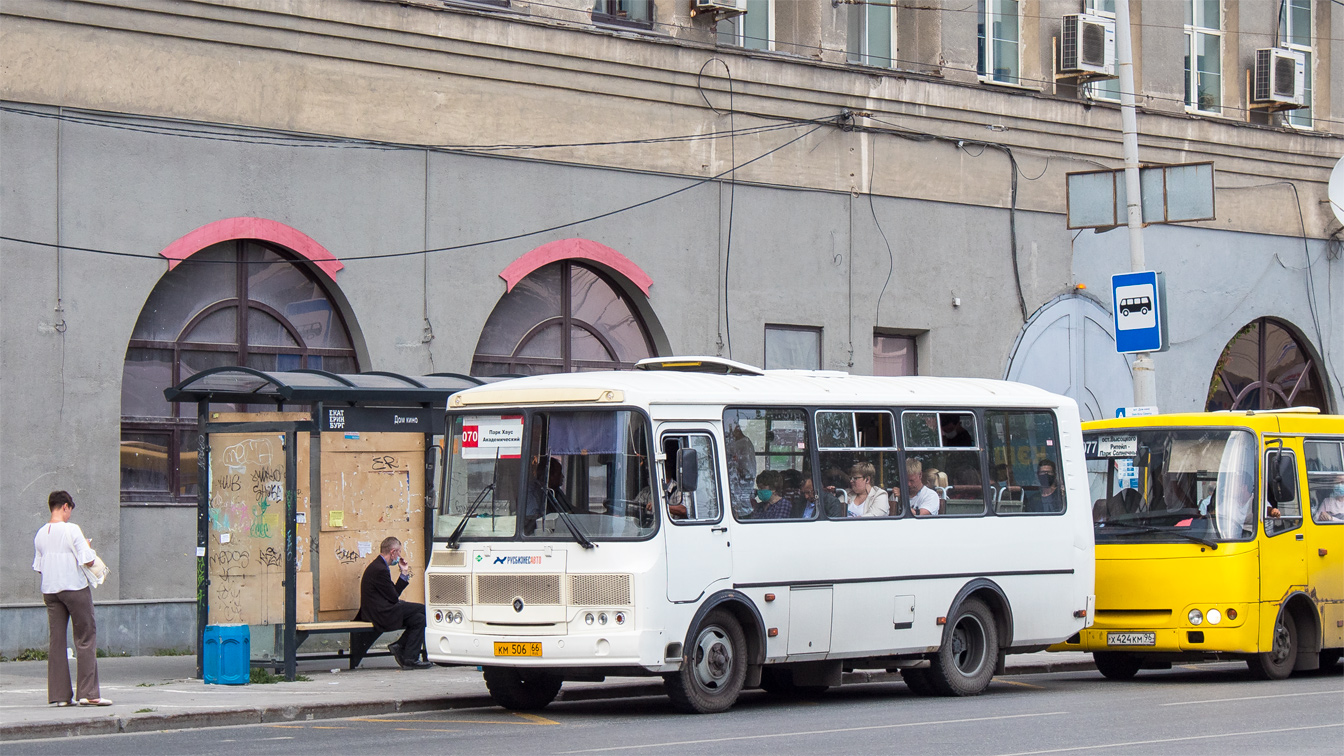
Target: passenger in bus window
(1049, 497)
(832, 506)
(770, 501)
(923, 500)
(1331, 507)
(954, 433)
(865, 499)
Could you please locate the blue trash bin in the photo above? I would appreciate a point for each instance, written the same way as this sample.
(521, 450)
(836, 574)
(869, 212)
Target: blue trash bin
(228, 654)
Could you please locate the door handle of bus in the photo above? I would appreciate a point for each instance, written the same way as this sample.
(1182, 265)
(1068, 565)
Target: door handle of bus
(1299, 536)
(721, 529)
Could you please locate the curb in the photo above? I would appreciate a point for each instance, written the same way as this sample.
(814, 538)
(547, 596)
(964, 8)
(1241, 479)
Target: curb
(113, 725)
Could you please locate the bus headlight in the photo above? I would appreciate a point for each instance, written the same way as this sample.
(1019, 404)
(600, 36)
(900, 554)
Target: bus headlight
(1196, 617)
(1214, 617)
(602, 618)
(620, 618)
(438, 615)
(588, 618)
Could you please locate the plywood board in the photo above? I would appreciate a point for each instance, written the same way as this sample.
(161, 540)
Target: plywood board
(373, 486)
(246, 564)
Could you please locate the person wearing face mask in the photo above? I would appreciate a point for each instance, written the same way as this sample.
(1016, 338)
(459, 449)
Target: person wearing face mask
(770, 502)
(1049, 497)
(1332, 506)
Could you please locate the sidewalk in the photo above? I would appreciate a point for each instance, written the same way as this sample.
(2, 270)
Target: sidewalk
(159, 693)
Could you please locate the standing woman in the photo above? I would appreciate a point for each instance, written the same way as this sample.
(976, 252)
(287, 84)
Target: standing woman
(61, 550)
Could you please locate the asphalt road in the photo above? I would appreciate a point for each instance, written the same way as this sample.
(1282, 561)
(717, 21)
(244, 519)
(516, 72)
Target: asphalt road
(1196, 709)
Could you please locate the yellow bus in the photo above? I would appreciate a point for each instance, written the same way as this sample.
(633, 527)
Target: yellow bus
(1218, 536)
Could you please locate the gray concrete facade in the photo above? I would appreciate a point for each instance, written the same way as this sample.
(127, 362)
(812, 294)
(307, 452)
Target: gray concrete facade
(862, 199)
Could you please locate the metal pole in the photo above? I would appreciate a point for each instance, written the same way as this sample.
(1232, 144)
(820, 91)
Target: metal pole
(1145, 377)
(291, 566)
(202, 532)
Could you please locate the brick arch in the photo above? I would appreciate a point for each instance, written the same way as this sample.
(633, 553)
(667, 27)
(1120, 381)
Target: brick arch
(252, 228)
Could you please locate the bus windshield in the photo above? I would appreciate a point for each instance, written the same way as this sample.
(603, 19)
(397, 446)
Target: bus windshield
(1164, 484)
(587, 477)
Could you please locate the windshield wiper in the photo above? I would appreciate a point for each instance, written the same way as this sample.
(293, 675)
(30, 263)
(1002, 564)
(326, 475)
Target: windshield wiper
(1165, 531)
(471, 510)
(569, 521)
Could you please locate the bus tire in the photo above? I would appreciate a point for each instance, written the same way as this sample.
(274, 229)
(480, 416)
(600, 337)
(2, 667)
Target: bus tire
(713, 668)
(521, 689)
(965, 663)
(1277, 663)
(1117, 665)
(917, 680)
(779, 682)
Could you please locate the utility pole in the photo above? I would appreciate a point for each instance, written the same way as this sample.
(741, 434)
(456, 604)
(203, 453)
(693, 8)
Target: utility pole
(1145, 377)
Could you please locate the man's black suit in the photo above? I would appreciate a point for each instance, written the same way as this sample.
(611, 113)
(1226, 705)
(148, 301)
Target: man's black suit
(380, 603)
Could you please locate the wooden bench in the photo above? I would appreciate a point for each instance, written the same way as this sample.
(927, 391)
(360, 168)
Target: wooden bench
(362, 637)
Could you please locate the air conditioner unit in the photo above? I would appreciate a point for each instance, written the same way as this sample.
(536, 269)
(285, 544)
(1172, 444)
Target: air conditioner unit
(719, 8)
(1280, 76)
(1087, 45)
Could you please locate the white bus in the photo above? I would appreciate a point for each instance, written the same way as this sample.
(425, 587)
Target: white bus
(726, 527)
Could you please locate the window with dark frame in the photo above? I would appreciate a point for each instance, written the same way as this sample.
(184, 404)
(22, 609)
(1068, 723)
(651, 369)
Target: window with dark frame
(637, 13)
(1265, 366)
(239, 302)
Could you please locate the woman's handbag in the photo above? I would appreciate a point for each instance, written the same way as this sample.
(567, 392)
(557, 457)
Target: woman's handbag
(97, 573)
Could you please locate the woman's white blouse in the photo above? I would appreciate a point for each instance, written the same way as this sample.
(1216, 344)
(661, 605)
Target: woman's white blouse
(60, 550)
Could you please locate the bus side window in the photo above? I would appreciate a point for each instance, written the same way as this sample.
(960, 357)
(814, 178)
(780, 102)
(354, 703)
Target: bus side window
(1024, 460)
(1325, 481)
(1286, 514)
(859, 472)
(942, 463)
(769, 454)
(702, 504)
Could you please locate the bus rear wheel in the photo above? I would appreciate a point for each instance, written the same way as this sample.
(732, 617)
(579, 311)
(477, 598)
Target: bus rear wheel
(1117, 665)
(965, 663)
(713, 669)
(1277, 663)
(521, 689)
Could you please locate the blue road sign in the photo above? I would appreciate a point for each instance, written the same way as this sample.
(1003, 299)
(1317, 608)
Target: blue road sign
(1139, 306)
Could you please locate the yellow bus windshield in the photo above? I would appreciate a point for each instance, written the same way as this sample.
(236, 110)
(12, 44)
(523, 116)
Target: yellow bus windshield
(1172, 484)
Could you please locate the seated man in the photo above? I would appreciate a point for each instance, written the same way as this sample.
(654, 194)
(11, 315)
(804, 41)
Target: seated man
(923, 500)
(1049, 497)
(380, 604)
(1331, 506)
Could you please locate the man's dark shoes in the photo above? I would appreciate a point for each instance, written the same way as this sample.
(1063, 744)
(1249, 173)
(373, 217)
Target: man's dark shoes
(395, 648)
(416, 664)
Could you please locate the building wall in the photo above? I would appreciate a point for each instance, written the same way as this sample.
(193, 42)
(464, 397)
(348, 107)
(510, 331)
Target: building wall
(127, 125)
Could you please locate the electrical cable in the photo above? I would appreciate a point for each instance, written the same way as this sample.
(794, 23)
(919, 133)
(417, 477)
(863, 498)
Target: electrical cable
(456, 247)
(891, 257)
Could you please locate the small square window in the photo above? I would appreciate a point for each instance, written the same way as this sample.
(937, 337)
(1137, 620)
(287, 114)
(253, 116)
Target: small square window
(894, 355)
(796, 347)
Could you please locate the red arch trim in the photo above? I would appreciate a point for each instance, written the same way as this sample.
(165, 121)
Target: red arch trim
(567, 249)
(252, 228)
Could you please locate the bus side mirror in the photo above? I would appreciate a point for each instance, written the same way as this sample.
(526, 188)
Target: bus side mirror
(688, 469)
(1282, 480)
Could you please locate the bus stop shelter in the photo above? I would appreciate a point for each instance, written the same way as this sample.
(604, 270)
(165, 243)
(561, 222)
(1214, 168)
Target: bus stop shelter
(301, 475)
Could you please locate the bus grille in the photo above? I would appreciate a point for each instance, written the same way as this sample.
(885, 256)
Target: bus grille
(448, 589)
(599, 590)
(532, 589)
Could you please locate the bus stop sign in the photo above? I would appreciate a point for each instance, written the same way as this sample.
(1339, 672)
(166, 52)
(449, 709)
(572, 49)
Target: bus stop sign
(1139, 305)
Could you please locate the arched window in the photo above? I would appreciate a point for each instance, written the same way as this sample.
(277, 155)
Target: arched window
(563, 317)
(1265, 367)
(234, 303)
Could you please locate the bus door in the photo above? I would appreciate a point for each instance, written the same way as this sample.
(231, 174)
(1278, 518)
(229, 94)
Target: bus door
(695, 525)
(1283, 547)
(1324, 475)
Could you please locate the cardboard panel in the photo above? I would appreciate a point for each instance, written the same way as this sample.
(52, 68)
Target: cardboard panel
(246, 552)
(373, 486)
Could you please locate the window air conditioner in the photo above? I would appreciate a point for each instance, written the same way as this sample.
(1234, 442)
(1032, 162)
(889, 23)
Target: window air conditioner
(719, 7)
(1088, 44)
(1280, 76)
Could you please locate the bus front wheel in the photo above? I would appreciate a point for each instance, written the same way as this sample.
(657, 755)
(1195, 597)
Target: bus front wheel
(1117, 665)
(521, 689)
(1277, 663)
(965, 663)
(713, 669)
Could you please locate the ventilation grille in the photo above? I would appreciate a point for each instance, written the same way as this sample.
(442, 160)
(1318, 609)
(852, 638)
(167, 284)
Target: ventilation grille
(1285, 78)
(532, 589)
(448, 559)
(448, 589)
(599, 590)
(1093, 51)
